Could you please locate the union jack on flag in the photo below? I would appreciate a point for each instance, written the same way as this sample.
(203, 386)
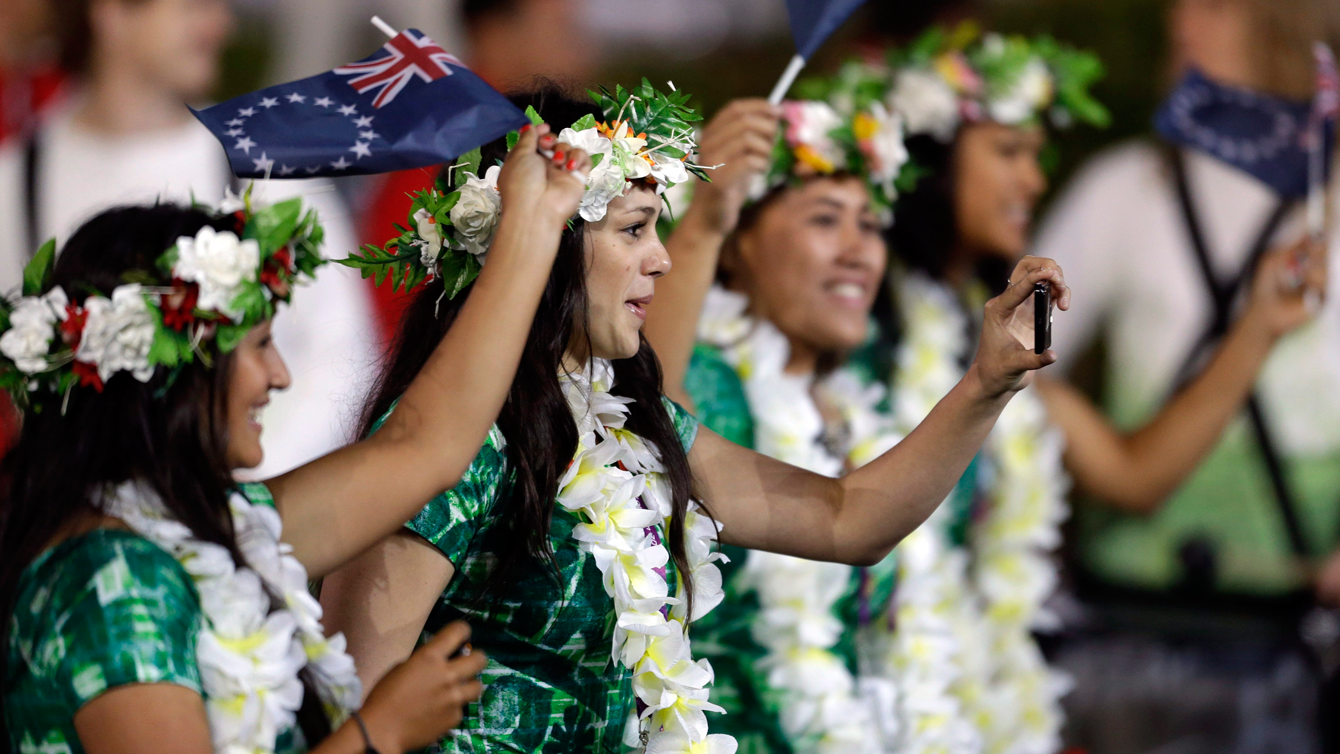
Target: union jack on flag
(406, 58)
(408, 105)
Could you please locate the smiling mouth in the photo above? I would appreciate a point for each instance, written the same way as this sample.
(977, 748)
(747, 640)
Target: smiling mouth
(848, 291)
(638, 306)
(254, 416)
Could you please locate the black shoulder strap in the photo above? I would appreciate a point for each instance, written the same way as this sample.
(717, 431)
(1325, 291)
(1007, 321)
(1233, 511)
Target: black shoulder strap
(1223, 296)
(32, 154)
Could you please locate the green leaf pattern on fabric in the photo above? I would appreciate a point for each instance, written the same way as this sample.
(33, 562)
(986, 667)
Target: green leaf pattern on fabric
(550, 684)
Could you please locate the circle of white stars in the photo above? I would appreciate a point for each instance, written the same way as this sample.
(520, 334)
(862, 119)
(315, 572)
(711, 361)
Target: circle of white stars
(361, 148)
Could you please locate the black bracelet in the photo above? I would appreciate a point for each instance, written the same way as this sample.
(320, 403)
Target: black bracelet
(367, 740)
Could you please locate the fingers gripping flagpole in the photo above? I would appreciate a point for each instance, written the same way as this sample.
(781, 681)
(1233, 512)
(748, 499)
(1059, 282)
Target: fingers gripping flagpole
(788, 78)
(390, 31)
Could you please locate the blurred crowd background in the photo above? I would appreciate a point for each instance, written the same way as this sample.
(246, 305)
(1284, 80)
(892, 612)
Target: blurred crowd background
(208, 50)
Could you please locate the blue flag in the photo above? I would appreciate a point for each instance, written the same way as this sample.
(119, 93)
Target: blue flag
(408, 105)
(1261, 135)
(813, 21)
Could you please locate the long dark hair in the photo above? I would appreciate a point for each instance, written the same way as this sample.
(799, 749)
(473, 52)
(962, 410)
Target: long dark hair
(535, 420)
(925, 231)
(171, 437)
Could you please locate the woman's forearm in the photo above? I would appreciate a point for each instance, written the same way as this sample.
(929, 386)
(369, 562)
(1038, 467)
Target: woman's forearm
(672, 320)
(340, 504)
(765, 504)
(885, 500)
(1137, 471)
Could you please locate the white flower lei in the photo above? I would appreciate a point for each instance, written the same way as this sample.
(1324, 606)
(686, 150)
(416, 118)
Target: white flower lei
(616, 486)
(826, 708)
(972, 679)
(249, 654)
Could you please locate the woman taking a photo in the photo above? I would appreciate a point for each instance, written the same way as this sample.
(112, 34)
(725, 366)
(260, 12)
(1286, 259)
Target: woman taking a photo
(580, 543)
(149, 604)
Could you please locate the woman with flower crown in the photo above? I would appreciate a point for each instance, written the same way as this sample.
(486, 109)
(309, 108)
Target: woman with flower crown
(802, 263)
(151, 604)
(582, 542)
(798, 642)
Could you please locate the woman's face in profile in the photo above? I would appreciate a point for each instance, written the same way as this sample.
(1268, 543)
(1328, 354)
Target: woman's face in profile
(257, 368)
(997, 183)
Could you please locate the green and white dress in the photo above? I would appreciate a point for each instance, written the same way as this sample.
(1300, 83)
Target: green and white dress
(114, 607)
(553, 683)
(797, 644)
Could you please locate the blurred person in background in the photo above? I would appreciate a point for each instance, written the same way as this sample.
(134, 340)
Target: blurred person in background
(1200, 589)
(126, 136)
(30, 79)
(508, 43)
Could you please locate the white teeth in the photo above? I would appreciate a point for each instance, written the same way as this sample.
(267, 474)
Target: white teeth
(256, 415)
(848, 290)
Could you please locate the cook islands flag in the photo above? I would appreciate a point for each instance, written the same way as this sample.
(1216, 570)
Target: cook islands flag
(408, 105)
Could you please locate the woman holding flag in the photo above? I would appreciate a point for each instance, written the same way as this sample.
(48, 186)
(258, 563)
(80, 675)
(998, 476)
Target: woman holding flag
(149, 602)
(581, 542)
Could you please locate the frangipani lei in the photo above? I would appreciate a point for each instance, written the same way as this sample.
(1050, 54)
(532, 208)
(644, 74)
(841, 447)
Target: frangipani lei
(615, 486)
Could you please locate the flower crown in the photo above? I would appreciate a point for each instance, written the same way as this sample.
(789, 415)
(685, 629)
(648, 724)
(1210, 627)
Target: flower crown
(820, 137)
(945, 78)
(647, 135)
(198, 299)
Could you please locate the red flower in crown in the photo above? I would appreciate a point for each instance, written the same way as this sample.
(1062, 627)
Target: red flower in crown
(179, 306)
(72, 329)
(87, 374)
(276, 272)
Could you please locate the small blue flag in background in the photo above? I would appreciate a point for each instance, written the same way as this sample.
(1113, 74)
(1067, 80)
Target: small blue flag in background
(1262, 135)
(813, 21)
(409, 105)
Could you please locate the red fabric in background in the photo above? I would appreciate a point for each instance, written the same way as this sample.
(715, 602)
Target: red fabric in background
(23, 95)
(389, 204)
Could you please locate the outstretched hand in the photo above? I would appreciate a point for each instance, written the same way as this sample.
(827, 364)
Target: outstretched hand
(739, 139)
(534, 185)
(1005, 358)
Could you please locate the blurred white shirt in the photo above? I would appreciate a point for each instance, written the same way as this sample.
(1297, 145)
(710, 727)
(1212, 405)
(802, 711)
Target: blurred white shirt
(327, 338)
(1119, 235)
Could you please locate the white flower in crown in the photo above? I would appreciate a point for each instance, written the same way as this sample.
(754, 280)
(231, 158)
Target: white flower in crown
(928, 104)
(220, 263)
(1030, 94)
(605, 184)
(475, 215)
(879, 134)
(809, 128)
(668, 172)
(32, 326)
(118, 333)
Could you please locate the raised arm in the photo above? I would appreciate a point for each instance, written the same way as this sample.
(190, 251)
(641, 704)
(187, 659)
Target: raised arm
(739, 139)
(1136, 471)
(765, 504)
(340, 504)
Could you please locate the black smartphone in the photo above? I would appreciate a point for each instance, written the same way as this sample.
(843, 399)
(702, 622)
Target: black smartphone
(1042, 317)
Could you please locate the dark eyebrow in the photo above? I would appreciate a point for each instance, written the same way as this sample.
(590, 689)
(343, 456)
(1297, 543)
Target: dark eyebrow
(644, 211)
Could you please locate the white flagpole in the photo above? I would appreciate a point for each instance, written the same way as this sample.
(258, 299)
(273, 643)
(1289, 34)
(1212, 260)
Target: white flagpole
(384, 27)
(788, 78)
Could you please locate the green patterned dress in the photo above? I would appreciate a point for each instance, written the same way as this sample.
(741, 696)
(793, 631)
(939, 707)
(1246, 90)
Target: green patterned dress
(98, 611)
(550, 684)
(723, 636)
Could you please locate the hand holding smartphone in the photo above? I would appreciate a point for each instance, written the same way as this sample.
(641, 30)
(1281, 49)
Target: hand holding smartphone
(1042, 317)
